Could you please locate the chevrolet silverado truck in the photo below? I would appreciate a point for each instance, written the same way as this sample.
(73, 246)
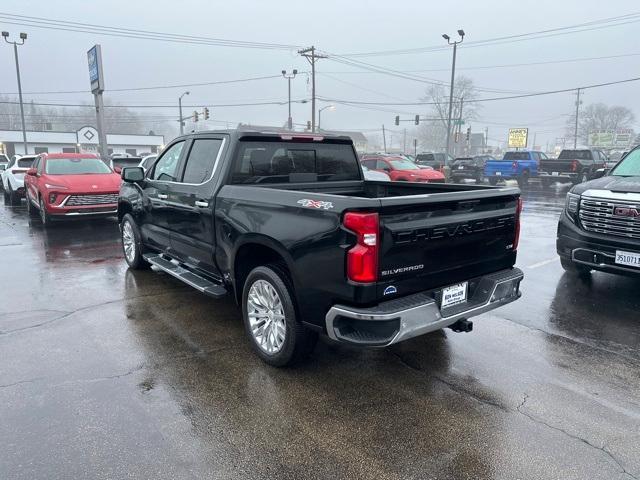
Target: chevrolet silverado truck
(287, 225)
(600, 226)
(576, 166)
(520, 166)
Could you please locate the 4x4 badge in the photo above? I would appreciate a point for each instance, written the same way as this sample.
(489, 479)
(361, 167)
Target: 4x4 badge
(306, 202)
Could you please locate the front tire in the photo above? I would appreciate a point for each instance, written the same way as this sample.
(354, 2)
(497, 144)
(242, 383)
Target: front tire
(14, 199)
(31, 210)
(132, 244)
(270, 318)
(45, 218)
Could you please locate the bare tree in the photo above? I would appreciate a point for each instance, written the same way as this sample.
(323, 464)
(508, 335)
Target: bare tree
(433, 133)
(599, 116)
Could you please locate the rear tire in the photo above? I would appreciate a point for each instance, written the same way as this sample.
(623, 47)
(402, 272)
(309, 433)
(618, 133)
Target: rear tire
(270, 318)
(493, 181)
(523, 180)
(480, 178)
(132, 244)
(14, 199)
(574, 268)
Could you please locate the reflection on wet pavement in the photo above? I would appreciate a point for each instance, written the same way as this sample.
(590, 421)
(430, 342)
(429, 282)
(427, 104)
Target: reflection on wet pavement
(109, 373)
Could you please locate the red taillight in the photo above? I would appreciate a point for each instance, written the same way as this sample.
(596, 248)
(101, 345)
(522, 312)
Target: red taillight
(574, 166)
(362, 259)
(516, 240)
(515, 165)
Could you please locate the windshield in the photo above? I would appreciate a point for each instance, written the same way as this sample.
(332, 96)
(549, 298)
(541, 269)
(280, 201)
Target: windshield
(572, 154)
(516, 156)
(629, 166)
(403, 165)
(75, 166)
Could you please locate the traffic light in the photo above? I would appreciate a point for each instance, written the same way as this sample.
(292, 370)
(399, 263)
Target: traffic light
(205, 113)
(195, 116)
(468, 133)
(397, 119)
(417, 119)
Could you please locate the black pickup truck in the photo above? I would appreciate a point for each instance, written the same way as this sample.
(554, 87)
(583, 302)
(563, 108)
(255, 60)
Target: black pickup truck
(286, 223)
(575, 166)
(600, 226)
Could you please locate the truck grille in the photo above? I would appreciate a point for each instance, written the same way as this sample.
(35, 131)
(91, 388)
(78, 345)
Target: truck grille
(599, 216)
(102, 199)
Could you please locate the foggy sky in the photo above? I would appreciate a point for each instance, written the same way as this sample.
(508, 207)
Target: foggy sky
(56, 60)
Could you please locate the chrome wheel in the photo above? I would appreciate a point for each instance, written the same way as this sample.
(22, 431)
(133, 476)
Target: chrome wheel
(266, 317)
(128, 242)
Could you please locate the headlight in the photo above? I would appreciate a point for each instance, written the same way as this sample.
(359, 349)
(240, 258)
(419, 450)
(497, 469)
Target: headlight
(573, 201)
(51, 186)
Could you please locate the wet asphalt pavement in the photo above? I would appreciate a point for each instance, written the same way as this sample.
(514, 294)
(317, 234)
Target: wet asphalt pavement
(107, 373)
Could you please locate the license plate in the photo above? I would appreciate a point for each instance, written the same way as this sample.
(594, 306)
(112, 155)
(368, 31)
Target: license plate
(629, 259)
(460, 168)
(555, 174)
(498, 174)
(454, 295)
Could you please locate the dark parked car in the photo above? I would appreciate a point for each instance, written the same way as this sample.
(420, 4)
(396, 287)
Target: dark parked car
(470, 167)
(437, 161)
(575, 166)
(286, 224)
(600, 226)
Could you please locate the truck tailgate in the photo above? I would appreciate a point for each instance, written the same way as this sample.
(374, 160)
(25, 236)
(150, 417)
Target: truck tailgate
(560, 166)
(441, 241)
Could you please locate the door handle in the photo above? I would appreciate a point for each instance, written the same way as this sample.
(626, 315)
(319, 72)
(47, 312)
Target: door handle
(162, 196)
(200, 203)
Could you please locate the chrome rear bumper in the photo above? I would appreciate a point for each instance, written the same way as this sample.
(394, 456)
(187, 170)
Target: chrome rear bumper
(407, 317)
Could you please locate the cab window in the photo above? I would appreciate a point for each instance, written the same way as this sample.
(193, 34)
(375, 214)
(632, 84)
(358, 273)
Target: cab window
(166, 167)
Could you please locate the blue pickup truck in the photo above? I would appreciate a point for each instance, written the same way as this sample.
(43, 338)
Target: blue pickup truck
(521, 166)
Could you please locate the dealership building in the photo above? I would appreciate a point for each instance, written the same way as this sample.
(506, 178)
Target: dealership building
(82, 140)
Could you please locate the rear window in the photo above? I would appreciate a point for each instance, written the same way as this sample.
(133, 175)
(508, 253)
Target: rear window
(25, 162)
(425, 157)
(75, 166)
(516, 156)
(292, 162)
(573, 154)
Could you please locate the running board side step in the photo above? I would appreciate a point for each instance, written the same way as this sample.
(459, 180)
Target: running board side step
(187, 276)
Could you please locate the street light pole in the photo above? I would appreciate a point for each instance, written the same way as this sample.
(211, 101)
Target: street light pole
(330, 107)
(23, 37)
(575, 133)
(453, 77)
(180, 112)
(289, 76)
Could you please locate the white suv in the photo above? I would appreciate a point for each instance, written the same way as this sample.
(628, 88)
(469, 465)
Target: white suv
(13, 178)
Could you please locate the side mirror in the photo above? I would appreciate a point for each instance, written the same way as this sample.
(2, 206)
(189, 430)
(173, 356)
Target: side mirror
(32, 172)
(601, 172)
(117, 169)
(132, 174)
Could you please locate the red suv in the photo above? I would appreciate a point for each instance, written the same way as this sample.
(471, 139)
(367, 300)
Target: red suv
(402, 170)
(67, 185)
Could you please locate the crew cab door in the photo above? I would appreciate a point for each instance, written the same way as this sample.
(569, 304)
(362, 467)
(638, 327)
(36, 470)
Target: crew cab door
(192, 201)
(156, 190)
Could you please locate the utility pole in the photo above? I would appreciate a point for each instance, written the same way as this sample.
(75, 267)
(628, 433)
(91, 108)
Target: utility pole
(486, 138)
(23, 37)
(535, 136)
(575, 138)
(312, 57)
(384, 139)
(289, 77)
(180, 112)
(459, 127)
(404, 142)
(453, 77)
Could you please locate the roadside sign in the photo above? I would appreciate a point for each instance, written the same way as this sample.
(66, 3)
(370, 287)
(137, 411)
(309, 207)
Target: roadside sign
(94, 58)
(518, 137)
(458, 122)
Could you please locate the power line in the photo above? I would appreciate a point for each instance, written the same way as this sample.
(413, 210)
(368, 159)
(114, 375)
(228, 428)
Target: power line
(217, 105)
(64, 25)
(536, 94)
(157, 87)
(569, 29)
